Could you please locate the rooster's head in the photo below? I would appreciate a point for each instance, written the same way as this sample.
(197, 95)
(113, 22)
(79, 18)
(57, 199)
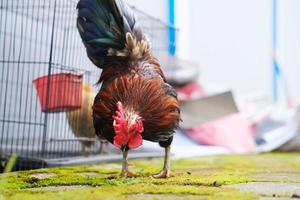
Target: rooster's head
(128, 127)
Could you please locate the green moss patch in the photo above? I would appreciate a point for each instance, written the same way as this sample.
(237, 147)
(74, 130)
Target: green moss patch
(41, 176)
(197, 178)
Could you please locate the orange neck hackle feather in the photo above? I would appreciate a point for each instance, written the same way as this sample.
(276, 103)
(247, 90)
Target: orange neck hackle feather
(128, 129)
(144, 97)
(141, 88)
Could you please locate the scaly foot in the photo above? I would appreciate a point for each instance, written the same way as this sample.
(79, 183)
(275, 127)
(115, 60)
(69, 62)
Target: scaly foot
(165, 173)
(127, 174)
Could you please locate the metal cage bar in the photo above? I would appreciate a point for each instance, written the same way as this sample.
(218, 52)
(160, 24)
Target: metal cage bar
(39, 38)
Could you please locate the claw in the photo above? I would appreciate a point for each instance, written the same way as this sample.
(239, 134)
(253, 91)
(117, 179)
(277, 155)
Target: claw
(127, 174)
(165, 173)
(124, 174)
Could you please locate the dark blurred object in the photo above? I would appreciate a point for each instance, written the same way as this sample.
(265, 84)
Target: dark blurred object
(1, 167)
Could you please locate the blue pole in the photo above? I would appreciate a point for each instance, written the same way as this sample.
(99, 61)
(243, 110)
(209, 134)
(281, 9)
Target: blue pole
(172, 31)
(275, 70)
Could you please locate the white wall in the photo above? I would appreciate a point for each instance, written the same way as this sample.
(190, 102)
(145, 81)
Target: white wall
(183, 22)
(156, 8)
(289, 45)
(231, 41)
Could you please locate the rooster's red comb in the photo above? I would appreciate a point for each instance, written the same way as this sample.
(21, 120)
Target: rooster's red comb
(121, 130)
(119, 125)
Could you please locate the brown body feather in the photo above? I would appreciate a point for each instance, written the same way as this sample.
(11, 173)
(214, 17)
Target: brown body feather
(141, 87)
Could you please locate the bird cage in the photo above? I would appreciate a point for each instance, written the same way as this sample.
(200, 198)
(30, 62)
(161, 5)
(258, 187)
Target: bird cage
(39, 40)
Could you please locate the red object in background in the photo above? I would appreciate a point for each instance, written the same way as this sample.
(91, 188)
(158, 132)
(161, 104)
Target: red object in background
(234, 132)
(65, 92)
(192, 90)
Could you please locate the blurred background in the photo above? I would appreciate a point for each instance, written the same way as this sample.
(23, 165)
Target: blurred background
(232, 41)
(234, 63)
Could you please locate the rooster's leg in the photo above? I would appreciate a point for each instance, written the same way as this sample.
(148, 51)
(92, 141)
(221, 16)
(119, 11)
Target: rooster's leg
(165, 172)
(124, 172)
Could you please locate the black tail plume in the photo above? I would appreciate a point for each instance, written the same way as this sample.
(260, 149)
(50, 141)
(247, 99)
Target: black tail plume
(109, 31)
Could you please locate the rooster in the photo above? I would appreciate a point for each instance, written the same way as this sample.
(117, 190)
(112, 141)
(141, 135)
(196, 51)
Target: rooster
(134, 102)
(81, 121)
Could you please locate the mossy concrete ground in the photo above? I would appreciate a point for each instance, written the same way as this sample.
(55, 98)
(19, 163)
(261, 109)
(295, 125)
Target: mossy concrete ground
(213, 177)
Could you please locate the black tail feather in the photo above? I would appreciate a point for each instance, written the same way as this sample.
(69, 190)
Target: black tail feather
(103, 26)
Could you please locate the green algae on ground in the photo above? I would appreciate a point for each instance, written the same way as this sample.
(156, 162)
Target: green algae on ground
(201, 177)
